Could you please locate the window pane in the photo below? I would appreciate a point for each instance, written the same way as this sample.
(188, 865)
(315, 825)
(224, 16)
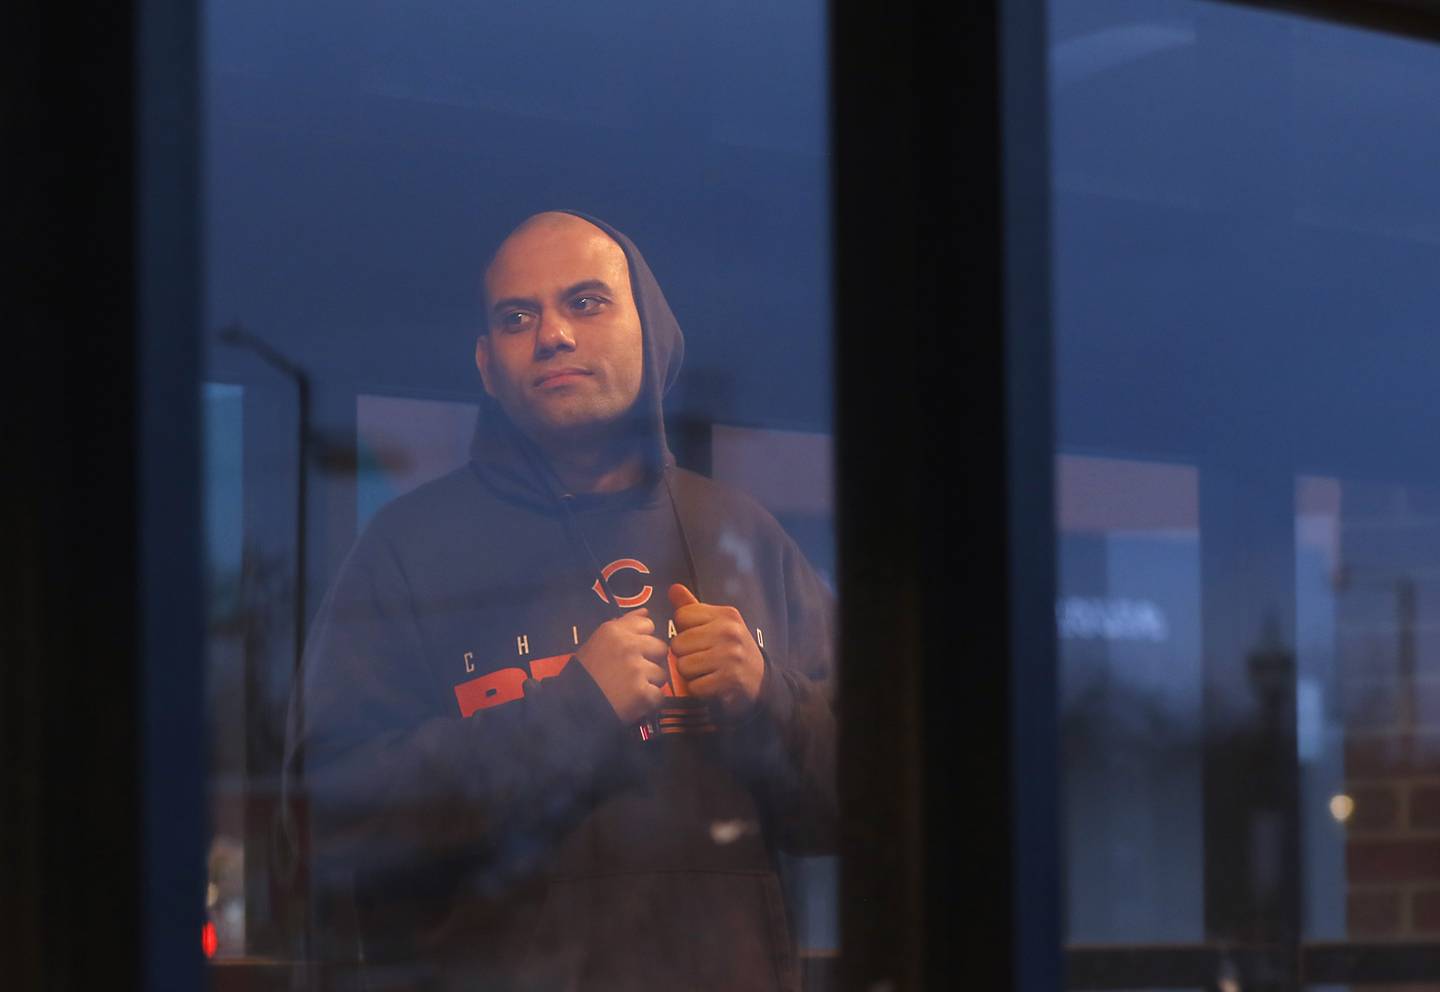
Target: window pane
(1246, 236)
(452, 455)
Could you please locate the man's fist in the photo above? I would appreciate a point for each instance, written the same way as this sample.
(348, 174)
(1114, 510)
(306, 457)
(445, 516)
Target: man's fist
(626, 660)
(715, 653)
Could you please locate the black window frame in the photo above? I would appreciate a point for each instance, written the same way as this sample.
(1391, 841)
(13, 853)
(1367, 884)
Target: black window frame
(940, 206)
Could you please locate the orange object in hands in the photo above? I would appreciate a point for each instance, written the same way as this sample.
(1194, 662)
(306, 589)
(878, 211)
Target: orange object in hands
(678, 684)
(679, 596)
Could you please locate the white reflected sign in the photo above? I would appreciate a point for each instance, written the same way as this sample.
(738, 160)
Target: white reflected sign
(1111, 619)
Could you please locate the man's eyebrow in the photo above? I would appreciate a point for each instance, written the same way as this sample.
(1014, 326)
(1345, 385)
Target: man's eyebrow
(588, 285)
(514, 302)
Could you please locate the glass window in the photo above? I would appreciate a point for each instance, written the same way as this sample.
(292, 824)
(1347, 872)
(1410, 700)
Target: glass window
(465, 727)
(1246, 236)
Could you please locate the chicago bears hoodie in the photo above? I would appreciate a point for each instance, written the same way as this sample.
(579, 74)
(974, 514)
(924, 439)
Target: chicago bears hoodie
(479, 816)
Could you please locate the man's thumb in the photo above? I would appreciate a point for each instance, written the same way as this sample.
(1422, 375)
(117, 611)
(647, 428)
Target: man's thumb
(681, 596)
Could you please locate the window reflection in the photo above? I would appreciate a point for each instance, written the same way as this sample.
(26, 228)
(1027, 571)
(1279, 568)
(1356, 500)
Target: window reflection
(1371, 663)
(1244, 301)
(1128, 621)
(403, 442)
(360, 170)
(223, 411)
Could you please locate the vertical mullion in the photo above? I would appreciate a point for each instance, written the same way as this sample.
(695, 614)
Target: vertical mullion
(944, 439)
(68, 630)
(1029, 406)
(167, 442)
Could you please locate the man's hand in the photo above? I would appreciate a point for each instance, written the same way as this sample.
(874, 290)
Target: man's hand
(715, 653)
(627, 660)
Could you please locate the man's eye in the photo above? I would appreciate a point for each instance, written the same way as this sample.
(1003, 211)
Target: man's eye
(587, 304)
(514, 320)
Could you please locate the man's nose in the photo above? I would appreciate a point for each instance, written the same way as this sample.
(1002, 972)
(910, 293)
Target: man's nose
(554, 334)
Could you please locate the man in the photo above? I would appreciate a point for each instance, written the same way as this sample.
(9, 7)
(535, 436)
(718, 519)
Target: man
(563, 705)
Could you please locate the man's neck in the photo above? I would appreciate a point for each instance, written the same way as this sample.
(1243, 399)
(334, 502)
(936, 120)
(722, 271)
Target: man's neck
(599, 468)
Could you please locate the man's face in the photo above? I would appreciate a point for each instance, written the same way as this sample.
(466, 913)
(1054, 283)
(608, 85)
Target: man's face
(564, 353)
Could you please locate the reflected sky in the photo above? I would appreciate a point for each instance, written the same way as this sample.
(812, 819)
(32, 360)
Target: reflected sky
(362, 158)
(1247, 233)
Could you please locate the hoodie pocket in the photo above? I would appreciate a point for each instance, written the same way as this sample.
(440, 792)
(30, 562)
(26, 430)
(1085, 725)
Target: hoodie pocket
(701, 931)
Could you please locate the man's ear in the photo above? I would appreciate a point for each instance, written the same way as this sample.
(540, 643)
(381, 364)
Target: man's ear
(482, 360)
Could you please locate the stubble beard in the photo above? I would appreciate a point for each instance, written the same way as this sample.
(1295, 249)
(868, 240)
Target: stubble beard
(585, 435)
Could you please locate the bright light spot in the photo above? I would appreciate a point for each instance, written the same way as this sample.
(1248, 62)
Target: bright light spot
(212, 895)
(209, 940)
(1341, 806)
(729, 831)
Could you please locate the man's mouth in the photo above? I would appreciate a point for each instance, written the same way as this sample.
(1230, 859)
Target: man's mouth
(555, 378)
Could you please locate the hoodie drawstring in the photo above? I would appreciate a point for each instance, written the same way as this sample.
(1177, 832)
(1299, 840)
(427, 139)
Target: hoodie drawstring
(684, 537)
(577, 536)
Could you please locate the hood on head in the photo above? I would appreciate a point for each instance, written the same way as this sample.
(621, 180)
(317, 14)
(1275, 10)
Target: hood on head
(513, 463)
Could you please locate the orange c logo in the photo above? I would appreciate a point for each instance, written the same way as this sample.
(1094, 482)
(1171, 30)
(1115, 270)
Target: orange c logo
(620, 565)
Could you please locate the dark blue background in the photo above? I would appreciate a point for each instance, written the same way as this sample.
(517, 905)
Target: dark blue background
(1247, 238)
(363, 157)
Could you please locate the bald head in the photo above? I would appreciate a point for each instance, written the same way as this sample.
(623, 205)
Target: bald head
(549, 240)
